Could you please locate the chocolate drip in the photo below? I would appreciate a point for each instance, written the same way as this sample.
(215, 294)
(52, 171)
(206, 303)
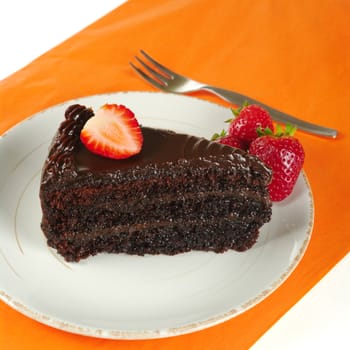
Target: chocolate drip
(60, 159)
(163, 152)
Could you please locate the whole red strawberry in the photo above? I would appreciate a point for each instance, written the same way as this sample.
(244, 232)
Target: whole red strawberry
(248, 119)
(284, 154)
(228, 140)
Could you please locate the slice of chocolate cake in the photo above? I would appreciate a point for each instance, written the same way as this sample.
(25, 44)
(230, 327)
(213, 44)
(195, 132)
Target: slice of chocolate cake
(180, 193)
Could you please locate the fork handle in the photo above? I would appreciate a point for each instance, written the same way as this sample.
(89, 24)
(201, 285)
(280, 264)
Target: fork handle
(279, 116)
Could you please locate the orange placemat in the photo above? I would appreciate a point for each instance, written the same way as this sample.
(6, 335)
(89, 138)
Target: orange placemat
(291, 55)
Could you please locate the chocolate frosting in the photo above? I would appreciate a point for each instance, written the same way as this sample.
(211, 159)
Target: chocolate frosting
(160, 146)
(68, 157)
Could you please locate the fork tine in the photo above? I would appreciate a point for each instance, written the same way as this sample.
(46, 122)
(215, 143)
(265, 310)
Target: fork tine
(163, 69)
(146, 77)
(159, 76)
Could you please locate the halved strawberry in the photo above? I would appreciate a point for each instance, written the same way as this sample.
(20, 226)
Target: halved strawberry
(113, 132)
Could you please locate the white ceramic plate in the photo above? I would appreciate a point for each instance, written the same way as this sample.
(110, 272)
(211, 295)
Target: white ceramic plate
(132, 297)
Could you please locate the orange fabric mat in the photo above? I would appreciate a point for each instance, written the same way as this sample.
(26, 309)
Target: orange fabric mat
(292, 55)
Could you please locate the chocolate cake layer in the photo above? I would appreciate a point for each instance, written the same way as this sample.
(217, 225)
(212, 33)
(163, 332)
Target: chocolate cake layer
(179, 193)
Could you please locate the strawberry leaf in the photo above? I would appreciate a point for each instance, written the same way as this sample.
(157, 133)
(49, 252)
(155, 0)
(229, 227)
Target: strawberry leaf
(279, 131)
(263, 132)
(290, 129)
(236, 111)
(245, 104)
(217, 135)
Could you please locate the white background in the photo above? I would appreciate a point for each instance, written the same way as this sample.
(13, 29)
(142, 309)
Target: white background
(29, 28)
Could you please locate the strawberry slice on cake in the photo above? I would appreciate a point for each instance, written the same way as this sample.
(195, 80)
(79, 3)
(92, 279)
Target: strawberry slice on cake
(113, 132)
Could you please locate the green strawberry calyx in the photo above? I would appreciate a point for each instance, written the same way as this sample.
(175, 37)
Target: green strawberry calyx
(219, 135)
(236, 111)
(289, 130)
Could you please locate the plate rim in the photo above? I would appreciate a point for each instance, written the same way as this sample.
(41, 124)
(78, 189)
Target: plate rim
(72, 327)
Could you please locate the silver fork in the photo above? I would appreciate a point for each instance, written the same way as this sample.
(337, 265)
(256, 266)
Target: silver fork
(165, 79)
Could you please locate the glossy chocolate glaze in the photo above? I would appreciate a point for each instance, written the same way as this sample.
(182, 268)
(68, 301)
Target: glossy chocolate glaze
(68, 157)
(160, 146)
